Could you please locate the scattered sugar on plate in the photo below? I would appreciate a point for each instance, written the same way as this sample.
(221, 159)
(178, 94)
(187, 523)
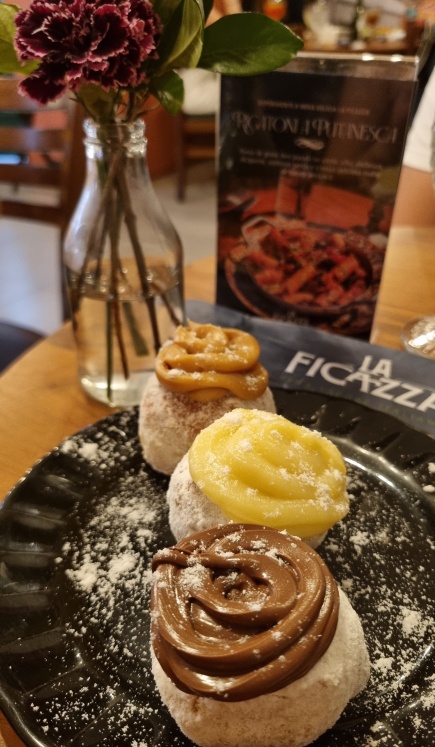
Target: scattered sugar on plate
(382, 558)
(104, 572)
(386, 564)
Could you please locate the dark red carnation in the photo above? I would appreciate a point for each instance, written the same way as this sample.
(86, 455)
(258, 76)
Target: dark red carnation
(42, 88)
(81, 41)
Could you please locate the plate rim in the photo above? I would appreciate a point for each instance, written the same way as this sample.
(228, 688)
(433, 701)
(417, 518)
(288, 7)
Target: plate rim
(10, 707)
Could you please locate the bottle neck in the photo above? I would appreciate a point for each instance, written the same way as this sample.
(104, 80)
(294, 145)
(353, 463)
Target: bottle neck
(103, 141)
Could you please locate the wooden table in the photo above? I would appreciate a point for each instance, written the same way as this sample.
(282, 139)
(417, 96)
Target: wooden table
(41, 402)
(408, 283)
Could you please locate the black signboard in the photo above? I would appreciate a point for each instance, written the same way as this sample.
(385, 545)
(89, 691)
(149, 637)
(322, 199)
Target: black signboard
(309, 162)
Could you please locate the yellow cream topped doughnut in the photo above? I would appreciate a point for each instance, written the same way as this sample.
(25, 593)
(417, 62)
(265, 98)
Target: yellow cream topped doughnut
(206, 362)
(260, 468)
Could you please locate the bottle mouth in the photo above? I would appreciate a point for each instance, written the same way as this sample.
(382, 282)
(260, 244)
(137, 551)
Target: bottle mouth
(100, 138)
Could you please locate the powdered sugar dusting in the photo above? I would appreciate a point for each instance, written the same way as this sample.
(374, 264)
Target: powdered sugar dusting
(382, 554)
(373, 553)
(104, 576)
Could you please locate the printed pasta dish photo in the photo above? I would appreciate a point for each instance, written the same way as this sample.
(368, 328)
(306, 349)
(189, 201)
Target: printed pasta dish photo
(286, 267)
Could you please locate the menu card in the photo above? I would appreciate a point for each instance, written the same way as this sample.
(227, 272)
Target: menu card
(307, 359)
(309, 162)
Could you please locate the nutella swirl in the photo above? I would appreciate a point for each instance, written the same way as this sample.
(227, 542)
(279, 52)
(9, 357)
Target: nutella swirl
(240, 611)
(206, 362)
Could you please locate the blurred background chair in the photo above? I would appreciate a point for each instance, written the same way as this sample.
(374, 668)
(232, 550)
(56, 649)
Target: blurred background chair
(195, 125)
(42, 161)
(194, 140)
(14, 341)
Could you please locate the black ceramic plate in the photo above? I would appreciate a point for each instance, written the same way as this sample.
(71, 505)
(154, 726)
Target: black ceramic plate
(76, 537)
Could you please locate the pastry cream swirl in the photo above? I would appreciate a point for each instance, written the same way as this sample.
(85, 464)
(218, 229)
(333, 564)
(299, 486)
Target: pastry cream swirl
(239, 611)
(261, 468)
(206, 362)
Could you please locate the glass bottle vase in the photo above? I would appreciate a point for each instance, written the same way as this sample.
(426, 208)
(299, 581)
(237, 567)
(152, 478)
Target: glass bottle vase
(124, 267)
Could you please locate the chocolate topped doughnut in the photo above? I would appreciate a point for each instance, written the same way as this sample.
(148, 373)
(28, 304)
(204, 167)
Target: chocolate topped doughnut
(250, 630)
(265, 601)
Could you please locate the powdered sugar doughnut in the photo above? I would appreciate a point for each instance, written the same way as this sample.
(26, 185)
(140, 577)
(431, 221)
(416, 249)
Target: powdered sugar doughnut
(202, 373)
(257, 467)
(191, 511)
(169, 422)
(263, 609)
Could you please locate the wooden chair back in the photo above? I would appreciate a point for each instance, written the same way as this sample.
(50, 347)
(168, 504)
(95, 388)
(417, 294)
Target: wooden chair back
(194, 140)
(42, 159)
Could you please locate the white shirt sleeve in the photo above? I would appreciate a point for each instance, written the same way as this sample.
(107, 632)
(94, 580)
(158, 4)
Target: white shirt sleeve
(418, 146)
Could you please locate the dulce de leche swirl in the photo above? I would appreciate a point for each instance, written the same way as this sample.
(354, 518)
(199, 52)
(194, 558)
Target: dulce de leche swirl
(206, 362)
(240, 611)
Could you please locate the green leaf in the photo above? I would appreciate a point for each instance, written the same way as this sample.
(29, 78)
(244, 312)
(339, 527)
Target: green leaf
(181, 41)
(168, 90)
(9, 62)
(99, 104)
(166, 8)
(247, 44)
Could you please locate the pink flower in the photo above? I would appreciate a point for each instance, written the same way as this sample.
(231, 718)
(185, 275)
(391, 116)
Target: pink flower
(85, 41)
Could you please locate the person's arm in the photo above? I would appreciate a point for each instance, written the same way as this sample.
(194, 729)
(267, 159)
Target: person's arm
(223, 8)
(415, 199)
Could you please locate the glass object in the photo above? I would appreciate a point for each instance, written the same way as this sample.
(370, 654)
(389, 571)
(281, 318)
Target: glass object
(316, 15)
(418, 335)
(356, 29)
(124, 266)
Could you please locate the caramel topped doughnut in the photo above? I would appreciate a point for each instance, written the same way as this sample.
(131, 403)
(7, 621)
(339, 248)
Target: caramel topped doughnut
(206, 362)
(241, 610)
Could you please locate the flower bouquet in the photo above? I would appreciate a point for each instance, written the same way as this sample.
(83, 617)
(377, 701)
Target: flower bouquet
(117, 59)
